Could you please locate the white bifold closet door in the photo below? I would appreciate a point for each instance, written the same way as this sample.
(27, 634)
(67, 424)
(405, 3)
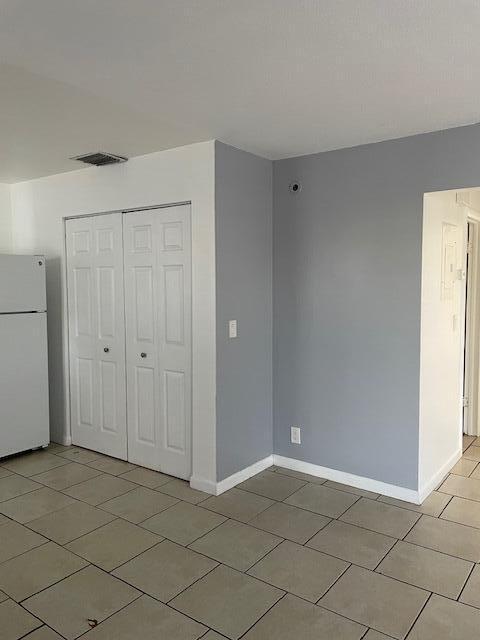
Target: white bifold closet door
(97, 333)
(157, 259)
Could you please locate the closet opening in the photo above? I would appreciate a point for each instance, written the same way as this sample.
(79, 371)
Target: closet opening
(129, 291)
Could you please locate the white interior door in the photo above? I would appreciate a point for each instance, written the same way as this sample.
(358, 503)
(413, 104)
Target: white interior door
(157, 247)
(97, 333)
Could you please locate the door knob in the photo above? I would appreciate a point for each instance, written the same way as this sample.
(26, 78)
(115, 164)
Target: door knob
(143, 354)
(106, 349)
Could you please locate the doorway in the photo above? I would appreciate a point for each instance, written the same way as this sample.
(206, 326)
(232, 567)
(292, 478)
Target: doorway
(472, 324)
(450, 330)
(129, 311)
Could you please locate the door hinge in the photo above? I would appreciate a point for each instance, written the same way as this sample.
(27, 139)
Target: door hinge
(465, 401)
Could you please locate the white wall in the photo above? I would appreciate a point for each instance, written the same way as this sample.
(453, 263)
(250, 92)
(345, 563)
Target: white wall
(442, 334)
(176, 175)
(5, 219)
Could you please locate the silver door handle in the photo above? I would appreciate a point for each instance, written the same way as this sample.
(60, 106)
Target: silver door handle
(106, 349)
(143, 354)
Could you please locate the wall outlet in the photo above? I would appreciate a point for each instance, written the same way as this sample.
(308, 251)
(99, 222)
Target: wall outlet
(295, 435)
(232, 329)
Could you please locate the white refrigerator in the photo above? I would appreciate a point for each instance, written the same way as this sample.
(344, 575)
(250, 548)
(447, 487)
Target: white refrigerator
(24, 421)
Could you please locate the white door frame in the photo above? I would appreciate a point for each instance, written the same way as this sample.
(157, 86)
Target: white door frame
(205, 485)
(472, 328)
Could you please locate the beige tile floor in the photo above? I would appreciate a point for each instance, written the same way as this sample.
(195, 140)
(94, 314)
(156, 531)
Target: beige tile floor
(95, 546)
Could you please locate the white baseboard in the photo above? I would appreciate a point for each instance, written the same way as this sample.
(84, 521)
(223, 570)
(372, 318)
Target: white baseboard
(216, 488)
(438, 476)
(391, 490)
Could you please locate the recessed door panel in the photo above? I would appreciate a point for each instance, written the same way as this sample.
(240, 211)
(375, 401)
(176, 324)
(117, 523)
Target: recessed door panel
(82, 300)
(175, 410)
(158, 343)
(97, 333)
(141, 239)
(85, 391)
(173, 236)
(174, 304)
(108, 397)
(81, 241)
(105, 240)
(143, 295)
(106, 302)
(145, 405)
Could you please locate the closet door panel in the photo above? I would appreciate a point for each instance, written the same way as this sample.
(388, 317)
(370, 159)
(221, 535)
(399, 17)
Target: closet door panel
(143, 401)
(158, 309)
(97, 333)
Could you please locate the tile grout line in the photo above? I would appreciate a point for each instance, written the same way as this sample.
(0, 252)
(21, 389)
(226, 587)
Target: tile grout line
(418, 616)
(466, 582)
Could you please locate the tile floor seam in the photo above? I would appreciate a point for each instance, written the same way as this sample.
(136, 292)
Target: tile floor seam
(282, 540)
(446, 505)
(96, 506)
(279, 471)
(262, 495)
(145, 593)
(53, 583)
(317, 603)
(304, 544)
(126, 561)
(420, 515)
(31, 630)
(437, 550)
(341, 615)
(45, 514)
(349, 564)
(120, 565)
(47, 541)
(387, 535)
(325, 514)
(191, 585)
(389, 551)
(100, 506)
(465, 583)
(360, 566)
(244, 571)
(110, 616)
(158, 489)
(23, 494)
(141, 594)
(63, 544)
(429, 591)
(69, 486)
(417, 617)
(187, 546)
(263, 615)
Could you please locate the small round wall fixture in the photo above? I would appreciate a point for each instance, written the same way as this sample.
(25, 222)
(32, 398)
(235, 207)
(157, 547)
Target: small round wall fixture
(295, 186)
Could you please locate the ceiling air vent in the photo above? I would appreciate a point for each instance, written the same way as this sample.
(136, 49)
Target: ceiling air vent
(99, 158)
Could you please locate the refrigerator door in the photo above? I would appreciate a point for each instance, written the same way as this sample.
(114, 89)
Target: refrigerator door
(22, 284)
(24, 422)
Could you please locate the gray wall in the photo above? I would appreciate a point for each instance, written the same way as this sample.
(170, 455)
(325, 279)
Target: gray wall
(243, 228)
(347, 274)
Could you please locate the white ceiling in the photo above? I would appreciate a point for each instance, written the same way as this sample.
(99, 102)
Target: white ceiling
(275, 77)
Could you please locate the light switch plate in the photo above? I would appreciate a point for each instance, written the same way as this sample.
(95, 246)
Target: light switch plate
(232, 329)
